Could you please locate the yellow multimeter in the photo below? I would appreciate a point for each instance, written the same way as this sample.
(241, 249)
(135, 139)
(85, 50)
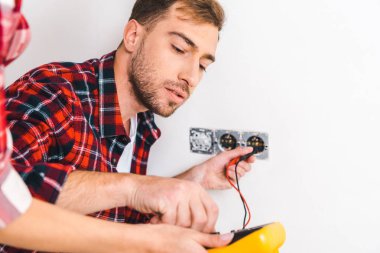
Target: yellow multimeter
(262, 239)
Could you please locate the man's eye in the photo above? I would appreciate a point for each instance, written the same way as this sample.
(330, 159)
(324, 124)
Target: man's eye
(202, 68)
(178, 50)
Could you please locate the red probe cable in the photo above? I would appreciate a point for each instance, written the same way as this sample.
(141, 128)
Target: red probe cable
(237, 188)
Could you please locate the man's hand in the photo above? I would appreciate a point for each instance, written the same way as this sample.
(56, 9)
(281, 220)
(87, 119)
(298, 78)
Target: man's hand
(212, 173)
(172, 239)
(175, 202)
(172, 201)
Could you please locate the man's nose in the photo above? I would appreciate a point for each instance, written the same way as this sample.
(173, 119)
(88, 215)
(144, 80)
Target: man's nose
(190, 74)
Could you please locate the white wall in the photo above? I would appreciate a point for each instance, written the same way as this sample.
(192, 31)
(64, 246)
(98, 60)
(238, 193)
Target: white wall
(306, 72)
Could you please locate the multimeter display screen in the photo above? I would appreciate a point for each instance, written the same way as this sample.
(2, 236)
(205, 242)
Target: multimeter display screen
(239, 234)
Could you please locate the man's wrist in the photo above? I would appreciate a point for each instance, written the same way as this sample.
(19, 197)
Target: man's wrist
(129, 184)
(194, 174)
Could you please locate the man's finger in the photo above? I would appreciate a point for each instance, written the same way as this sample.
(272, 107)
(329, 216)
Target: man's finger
(239, 151)
(244, 166)
(183, 216)
(212, 211)
(199, 215)
(241, 167)
(251, 159)
(240, 172)
(214, 241)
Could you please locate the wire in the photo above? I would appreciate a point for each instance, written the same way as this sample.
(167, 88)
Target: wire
(236, 162)
(238, 186)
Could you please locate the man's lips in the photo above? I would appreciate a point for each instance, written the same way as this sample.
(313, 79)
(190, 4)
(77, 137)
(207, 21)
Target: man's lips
(178, 94)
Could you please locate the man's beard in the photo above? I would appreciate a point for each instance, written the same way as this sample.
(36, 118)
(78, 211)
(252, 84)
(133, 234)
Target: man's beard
(142, 76)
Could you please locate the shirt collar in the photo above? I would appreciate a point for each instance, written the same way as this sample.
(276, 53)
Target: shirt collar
(110, 121)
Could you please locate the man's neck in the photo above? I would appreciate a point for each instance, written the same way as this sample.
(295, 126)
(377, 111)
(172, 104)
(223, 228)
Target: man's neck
(128, 103)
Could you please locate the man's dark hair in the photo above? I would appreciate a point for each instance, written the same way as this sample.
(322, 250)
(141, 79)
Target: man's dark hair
(149, 12)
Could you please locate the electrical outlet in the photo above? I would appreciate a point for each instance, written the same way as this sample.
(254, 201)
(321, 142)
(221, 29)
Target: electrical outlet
(208, 141)
(226, 140)
(202, 141)
(259, 141)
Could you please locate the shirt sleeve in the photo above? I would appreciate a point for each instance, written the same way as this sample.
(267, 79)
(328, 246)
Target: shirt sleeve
(39, 119)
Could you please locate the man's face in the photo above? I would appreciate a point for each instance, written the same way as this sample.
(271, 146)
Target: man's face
(171, 61)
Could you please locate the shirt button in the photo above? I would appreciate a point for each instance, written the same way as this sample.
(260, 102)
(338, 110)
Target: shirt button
(114, 161)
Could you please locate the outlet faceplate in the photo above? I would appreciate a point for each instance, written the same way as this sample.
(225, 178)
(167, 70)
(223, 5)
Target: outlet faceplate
(202, 141)
(209, 141)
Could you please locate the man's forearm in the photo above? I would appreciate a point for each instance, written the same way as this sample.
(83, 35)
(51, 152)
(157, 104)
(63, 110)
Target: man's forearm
(172, 201)
(88, 192)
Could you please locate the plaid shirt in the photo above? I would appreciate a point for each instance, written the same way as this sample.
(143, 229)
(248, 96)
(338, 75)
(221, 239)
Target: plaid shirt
(14, 35)
(65, 117)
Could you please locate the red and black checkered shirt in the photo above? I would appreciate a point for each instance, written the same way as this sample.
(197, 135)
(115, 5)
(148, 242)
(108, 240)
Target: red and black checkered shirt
(66, 116)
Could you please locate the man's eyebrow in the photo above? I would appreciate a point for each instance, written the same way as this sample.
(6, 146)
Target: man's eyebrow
(185, 38)
(192, 44)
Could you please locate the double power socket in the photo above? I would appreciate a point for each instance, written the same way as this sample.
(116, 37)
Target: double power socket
(209, 141)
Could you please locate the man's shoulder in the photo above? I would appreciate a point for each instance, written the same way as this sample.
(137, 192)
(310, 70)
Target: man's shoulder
(61, 70)
(61, 83)
(54, 77)
(67, 73)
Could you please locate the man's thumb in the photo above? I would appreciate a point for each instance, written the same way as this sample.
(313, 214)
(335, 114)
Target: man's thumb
(239, 151)
(216, 241)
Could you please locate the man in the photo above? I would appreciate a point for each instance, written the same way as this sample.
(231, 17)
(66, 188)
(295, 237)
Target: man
(74, 122)
(30, 223)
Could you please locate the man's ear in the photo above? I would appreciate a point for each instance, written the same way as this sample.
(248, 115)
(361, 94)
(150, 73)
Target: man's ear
(133, 33)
